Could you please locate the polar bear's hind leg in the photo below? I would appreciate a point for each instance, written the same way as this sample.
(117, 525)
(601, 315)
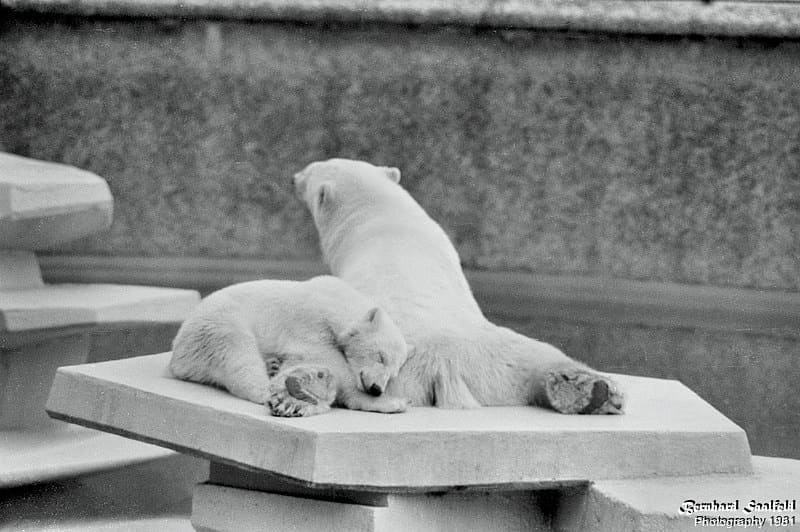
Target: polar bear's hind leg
(239, 367)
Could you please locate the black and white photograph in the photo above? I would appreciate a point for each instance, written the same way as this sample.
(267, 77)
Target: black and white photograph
(399, 265)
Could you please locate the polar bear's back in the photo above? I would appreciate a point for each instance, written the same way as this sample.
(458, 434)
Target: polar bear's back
(284, 305)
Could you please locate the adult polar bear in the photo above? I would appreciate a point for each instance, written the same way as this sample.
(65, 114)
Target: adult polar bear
(376, 237)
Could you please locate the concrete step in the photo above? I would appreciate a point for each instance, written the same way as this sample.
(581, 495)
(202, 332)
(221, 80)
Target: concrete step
(768, 499)
(151, 496)
(43, 204)
(668, 430)
(35, 456)
(63, 305)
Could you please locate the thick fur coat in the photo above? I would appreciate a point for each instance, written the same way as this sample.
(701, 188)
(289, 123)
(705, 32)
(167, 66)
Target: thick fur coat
(279, 341)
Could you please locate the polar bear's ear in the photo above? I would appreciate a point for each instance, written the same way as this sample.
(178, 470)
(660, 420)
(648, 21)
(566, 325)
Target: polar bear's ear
(374, 315)
(299, 180)
(323, 194)
(392, 173)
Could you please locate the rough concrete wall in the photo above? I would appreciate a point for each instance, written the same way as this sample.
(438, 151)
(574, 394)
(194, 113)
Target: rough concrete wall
(666, 160)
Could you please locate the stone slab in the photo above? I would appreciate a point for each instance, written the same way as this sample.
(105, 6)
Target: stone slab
(43, 203)
(662, 504)
(73, 304)
(668, 430)
(225, 509)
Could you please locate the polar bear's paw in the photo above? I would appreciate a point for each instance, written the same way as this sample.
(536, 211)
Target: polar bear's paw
(578, 391)
(282, 404)
(302, 391)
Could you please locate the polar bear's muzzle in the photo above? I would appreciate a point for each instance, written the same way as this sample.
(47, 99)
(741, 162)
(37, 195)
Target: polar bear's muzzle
(373, 382)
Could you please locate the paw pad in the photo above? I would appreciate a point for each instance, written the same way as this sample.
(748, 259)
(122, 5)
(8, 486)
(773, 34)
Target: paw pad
(583, 392)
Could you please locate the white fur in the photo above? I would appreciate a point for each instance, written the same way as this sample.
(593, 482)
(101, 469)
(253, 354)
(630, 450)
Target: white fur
(231, 335)
(378, 239)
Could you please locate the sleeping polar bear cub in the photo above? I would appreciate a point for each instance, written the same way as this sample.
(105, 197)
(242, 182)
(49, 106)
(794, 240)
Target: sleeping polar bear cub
(297, 346)
(376, 237)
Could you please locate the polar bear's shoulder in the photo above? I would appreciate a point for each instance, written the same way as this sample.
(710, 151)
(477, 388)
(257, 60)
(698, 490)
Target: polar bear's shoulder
(323, 298)
(278, 288)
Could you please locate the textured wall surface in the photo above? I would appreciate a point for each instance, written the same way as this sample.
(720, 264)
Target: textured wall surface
(607, 156)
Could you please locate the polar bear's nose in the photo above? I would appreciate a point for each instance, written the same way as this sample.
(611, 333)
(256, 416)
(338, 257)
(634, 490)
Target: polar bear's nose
(370, 386)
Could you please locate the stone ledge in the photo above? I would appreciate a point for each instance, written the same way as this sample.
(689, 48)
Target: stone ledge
(668, 431)
(776, 20)
(65, 305)
(43, 203)
(509, 294)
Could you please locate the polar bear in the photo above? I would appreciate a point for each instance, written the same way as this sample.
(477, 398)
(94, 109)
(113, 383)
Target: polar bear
(377, 238)
(296, 346)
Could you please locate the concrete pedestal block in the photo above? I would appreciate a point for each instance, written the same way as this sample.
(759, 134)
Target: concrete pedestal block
(769, 499)
(19, 270)
(225, 509)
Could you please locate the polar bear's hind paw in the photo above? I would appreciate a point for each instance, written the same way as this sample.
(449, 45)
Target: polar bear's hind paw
(583, 392)
(301, 391)
(283, 404)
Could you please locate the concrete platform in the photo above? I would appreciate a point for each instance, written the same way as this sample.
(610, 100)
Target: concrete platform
(667, 504)
(43, 203)
(668, 431)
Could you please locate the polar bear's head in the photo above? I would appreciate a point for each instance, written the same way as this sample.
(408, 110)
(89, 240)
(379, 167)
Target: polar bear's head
(322, 180)
(375, 350)
(347, 197)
